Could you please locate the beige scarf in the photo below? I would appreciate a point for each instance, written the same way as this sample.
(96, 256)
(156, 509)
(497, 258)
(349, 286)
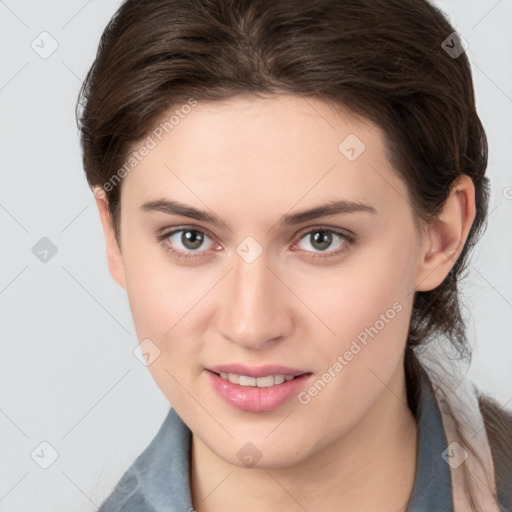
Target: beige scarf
(457, 401)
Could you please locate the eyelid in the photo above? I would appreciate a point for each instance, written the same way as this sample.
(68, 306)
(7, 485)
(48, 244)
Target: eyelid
(164, 232)
(341, 231)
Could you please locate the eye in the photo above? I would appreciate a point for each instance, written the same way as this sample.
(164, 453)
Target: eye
(184, 242)
(321, 239)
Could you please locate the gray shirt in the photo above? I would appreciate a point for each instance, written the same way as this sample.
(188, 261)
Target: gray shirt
(158, 480)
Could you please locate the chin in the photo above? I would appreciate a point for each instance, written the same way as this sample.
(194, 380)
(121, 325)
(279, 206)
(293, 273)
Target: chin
(260, 452)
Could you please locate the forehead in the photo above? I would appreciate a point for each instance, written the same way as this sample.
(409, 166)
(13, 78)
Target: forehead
(277, 150)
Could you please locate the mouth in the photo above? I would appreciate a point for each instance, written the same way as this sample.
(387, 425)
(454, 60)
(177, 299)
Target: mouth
(257, 394)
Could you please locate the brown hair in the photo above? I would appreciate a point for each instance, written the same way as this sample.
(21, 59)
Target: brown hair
(385, 60)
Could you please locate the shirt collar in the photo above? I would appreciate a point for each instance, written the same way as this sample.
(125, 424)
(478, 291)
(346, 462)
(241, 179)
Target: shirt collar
(433, 485)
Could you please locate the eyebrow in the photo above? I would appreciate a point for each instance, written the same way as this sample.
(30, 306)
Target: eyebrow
(331, 208)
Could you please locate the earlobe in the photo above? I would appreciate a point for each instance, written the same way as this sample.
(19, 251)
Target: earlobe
(446, 236)
(114, 255)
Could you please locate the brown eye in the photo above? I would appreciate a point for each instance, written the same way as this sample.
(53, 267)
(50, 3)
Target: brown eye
(191, 239)
(321, 240)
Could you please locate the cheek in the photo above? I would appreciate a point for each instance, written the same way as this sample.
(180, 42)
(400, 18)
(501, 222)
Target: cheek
(160, 292)
(370, 314)
(162, 299)
(368, 306)
(348, 298)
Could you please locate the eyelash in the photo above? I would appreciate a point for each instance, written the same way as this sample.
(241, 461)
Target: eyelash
(349, 240)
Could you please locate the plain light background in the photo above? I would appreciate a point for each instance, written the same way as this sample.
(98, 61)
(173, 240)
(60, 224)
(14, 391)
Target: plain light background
(68, 375)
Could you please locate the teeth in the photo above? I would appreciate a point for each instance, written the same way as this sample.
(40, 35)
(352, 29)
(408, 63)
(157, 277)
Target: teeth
(246, 381)
(232, 377)
(260, 382)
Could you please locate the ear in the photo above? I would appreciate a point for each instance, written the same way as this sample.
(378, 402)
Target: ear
(114, 256)
(446, 236)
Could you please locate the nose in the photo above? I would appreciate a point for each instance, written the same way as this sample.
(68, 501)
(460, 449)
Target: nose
(254, 305)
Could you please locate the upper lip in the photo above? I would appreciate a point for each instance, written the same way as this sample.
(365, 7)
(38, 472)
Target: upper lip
(256, 371)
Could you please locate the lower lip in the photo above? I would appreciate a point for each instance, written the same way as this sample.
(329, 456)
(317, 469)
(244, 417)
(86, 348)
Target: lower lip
(254, 399)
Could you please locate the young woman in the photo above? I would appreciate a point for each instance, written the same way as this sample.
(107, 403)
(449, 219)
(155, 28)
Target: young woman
(289, 192)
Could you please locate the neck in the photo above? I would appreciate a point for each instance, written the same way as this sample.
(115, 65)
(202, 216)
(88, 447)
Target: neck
(372, 467)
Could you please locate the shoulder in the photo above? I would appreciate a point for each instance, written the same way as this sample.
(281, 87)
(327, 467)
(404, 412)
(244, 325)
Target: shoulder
(158, 480)
(498, 425)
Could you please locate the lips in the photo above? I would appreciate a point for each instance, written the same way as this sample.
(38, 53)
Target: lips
(253, 398)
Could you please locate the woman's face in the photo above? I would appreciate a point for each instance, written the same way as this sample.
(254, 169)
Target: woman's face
(268, 284)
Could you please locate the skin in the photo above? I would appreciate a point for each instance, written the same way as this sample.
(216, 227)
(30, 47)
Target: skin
(251, 160)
